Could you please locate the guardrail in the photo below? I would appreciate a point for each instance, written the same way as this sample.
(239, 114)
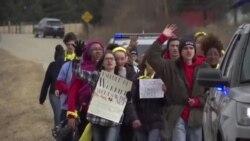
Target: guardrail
(28, 29)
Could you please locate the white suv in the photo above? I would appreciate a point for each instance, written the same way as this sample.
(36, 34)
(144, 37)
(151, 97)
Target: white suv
(143, 43)
(227, 109)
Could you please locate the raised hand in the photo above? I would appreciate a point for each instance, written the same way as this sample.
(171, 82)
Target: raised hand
(168, 31)
(79, 48)
(133, 41)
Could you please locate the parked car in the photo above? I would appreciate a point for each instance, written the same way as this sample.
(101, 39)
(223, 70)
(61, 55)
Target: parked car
(227, 109)
(143, 43)
(49, 27)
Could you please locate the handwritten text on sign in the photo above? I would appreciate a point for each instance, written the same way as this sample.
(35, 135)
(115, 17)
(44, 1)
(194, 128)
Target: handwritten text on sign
(109, 97)
(151, 88)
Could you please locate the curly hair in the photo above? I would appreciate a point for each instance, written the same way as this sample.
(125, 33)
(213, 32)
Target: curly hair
(69, 36)
(211, 41)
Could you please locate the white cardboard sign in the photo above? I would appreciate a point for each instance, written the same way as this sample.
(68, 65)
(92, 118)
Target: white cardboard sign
(151, 88)
(109, 98)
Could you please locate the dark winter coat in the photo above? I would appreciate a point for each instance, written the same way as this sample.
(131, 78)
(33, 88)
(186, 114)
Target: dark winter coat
(52, 73)
(148, 111)
(172, 74)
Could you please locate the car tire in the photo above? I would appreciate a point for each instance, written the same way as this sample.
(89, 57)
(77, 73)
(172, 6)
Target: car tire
(36, 35)
(42, 34)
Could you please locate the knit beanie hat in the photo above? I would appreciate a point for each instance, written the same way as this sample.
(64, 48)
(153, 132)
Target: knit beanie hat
(186, 42)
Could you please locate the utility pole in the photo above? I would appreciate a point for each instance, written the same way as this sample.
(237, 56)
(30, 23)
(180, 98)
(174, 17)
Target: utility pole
(235, 16)
(165, 4)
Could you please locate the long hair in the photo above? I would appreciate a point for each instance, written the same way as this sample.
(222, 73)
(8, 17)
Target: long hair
(142, 66)
(99, 66)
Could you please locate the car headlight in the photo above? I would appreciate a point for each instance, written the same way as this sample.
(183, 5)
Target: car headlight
(243, 114)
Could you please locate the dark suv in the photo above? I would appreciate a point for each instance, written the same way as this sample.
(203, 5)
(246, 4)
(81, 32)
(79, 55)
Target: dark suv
(49, 27)
(227, 110)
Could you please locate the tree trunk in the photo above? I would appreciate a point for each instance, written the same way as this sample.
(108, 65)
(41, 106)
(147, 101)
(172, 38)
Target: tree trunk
(166, 10)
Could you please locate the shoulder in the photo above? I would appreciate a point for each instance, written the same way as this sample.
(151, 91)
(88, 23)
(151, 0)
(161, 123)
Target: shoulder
(130, 69)
(66, 65)
(51, 65)
(204, 65)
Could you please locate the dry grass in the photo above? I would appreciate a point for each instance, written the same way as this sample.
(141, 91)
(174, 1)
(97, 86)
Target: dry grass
(22, 118)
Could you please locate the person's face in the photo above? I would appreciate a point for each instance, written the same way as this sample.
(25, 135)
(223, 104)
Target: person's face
(96, 52)
(133, 57)
(188, 53)
(213, 56)
(109, 62)
(174, 48)
(70, 46)
(121, 58)
(198, 44)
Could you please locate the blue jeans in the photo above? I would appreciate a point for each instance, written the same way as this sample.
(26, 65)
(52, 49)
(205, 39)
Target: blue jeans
(55, 104)
(152, 135)
(184, 133)
(102, 133)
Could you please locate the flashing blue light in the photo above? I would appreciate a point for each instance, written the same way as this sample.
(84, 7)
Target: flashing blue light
(219, 89)
(223, 90)
(118, 36)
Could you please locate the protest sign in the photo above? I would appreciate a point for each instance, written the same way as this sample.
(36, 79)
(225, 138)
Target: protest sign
(151, 88)
(109, 98)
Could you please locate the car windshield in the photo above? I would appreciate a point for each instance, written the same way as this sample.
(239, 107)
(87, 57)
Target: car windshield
(142, 44)
(141, 49)
(52, 23)
(245, 73)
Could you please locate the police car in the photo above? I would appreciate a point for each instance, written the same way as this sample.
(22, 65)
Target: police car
(143, 43)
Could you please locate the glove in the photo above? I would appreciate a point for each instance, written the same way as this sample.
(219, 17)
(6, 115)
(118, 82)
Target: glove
(41, 100)
(79, 48)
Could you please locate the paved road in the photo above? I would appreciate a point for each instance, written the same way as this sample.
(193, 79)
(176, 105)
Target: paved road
(25, 46)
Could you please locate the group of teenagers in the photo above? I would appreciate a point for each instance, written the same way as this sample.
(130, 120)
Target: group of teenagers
(71, 79)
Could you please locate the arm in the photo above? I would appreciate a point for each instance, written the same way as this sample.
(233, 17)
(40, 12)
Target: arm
(72, 97)
(200, 99)
(61, 79)
(132, 43)
(62, 86)
(130, 109)
(162, 67)
(45, 86)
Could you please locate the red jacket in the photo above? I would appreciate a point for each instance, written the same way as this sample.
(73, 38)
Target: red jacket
(189, 74)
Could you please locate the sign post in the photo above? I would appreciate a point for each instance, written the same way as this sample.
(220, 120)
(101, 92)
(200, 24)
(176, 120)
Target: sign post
(87, 17)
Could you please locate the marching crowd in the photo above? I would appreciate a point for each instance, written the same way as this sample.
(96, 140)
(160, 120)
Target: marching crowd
(71, 79)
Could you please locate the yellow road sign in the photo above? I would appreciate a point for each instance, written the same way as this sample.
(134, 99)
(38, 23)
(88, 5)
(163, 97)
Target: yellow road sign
(87, 16)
